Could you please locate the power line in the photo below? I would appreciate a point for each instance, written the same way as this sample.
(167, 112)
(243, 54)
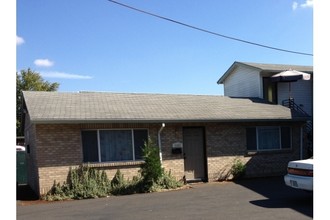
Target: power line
(209, 32)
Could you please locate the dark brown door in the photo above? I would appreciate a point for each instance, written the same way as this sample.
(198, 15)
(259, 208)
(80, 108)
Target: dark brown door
(194, 156)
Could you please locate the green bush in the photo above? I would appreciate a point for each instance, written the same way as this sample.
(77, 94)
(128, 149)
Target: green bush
(84, 182)
(58, 192)
(238, 169)
(120, 186)
(118, 180)
(167, 181)
(151, 170)
(152, 176)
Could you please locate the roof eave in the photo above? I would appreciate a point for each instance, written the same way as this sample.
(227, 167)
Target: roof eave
(250, 65)
(125, 121)
(231, 68)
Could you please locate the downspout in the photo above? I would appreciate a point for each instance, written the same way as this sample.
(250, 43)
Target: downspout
(160, 142)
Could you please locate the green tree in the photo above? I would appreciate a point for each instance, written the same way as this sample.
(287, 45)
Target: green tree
(29, 80)
(151, 170)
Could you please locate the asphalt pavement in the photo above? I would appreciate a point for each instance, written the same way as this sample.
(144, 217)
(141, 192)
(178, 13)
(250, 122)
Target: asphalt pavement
(257, 199)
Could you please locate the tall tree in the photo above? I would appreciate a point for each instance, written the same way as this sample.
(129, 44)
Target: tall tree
(29, 80)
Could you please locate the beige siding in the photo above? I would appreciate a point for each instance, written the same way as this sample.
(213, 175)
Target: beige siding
(243, 82)
(301, 91)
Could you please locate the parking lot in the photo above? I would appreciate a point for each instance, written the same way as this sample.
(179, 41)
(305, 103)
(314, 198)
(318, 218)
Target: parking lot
(261, 198)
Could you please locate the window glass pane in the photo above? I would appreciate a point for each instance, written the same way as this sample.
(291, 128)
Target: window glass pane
(286, 137)
(90, 148)
(140, 136)
(251, 139)
(268, 138)
(116, 145)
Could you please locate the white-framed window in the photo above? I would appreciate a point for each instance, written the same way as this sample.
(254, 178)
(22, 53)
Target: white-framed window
(265, 138)
(113, 145)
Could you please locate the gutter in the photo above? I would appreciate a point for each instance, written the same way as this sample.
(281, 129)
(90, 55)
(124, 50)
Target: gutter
(160, 142)
(191, 120)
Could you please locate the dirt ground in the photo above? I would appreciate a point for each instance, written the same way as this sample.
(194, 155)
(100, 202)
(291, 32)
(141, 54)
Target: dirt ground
(25, 195)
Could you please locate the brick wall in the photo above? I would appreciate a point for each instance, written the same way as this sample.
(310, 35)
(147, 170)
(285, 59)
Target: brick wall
(227, 142)
(57, 147)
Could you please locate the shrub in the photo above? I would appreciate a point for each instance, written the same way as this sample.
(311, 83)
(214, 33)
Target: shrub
(120, 186)
(151, 170)
(58, 192)
(84, 182)
(118, 180)
(238, 169)
(153, 176)
(167, 181)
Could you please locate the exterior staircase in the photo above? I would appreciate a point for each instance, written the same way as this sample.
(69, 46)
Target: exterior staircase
(308, 128)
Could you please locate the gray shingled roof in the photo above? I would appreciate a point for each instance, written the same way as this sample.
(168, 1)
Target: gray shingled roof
(279, 67)
(276, 68)
(85, 107)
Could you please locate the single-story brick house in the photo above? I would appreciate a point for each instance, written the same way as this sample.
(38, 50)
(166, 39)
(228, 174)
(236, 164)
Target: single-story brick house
(199, 136)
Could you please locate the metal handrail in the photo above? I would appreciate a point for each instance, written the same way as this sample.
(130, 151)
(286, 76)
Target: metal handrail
(292, 105)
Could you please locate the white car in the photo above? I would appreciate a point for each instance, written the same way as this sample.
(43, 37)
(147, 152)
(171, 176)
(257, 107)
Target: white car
(20, 148)
(300, 174)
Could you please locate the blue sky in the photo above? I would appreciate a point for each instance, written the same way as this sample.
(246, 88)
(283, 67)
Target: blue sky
(101, 46)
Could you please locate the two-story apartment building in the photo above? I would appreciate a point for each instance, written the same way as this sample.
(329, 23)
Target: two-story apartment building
(244, 79)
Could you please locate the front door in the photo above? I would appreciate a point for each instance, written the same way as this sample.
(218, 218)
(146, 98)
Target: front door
(269, 90)
(194, 154)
